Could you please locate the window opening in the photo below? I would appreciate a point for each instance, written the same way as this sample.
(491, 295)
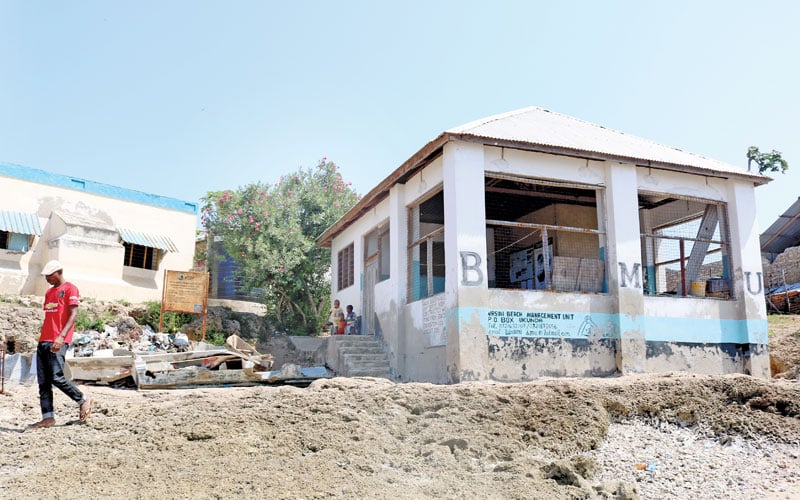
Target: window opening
(16, 242)
(426, 258)
(346, 264)
(544, 235)
(141, 256)
(685, 246)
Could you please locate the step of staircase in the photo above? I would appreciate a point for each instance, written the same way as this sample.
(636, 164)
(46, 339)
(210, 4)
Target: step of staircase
(358, 356)
(371, 372)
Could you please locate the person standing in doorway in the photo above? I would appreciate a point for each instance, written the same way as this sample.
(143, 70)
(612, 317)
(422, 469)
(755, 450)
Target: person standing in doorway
(336, 319)
(60, 311)
(350, 321)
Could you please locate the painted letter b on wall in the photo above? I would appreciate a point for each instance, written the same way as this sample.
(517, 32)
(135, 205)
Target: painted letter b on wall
(471, 274)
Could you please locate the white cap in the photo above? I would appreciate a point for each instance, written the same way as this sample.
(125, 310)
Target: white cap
(51, 267)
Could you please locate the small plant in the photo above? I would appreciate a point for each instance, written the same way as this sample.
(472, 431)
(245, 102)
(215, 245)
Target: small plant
(172, 321)
(86, 320)
(83, 321)
(126, 303)
(215, 338)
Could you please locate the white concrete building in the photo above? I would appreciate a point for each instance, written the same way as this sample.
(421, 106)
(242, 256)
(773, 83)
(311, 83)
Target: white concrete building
(534, 244)
(114, 243)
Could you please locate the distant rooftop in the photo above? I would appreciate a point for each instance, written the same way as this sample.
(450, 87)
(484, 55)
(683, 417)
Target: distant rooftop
(783, 233)
(87, 186)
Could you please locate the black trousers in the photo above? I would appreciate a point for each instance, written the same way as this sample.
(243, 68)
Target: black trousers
(50, 372)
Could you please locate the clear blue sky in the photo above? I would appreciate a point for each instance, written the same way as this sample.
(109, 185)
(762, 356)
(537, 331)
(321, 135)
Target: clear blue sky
(179, 98)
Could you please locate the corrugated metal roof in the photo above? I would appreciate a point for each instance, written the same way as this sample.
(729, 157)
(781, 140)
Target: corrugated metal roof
(537, 126)
(147, 240)
(537, 129)
(783, 233)
(18, 222)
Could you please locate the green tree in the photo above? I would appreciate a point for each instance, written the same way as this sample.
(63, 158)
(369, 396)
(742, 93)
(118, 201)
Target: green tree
(772, 161)
(270, 232)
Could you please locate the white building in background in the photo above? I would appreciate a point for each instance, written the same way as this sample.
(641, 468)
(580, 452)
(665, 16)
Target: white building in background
(114, 243)
(533, 244)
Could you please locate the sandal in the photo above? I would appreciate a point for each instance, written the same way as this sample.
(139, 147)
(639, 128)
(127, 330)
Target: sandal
(86, 410)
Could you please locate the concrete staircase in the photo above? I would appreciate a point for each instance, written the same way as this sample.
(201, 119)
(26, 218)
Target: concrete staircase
(357, 356)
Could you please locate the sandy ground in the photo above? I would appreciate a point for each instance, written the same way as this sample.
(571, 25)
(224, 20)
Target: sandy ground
(370, 438)
(709, 437)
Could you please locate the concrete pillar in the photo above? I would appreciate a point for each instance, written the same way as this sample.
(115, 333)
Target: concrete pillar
(625, 265)
(466, 288)
(748, 275)
(398, 271)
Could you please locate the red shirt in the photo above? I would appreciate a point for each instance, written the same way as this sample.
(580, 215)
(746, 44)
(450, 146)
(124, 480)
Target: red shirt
(57, 302)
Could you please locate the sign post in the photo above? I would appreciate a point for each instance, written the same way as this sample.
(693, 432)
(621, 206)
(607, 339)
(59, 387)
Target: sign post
(187, 292)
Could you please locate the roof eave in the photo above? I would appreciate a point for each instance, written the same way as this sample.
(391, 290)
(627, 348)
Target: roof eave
(433, 148)
(757, 179)
(381, 191)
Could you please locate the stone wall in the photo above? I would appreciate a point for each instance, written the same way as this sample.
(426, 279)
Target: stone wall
(785, 265)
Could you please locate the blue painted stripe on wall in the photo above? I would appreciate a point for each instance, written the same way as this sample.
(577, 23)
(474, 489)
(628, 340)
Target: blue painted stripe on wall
(542, 324)
(706, 330)
(77, 184)
(563, 324)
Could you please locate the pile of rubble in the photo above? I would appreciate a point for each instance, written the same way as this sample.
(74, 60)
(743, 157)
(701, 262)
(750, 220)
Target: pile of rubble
(129, 353)
(137, 339)
(164, 361)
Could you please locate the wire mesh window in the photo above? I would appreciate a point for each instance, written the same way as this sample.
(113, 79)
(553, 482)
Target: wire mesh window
(426, 265)
(141, 256)
(685, 246)
(346, 266)
(543, 235)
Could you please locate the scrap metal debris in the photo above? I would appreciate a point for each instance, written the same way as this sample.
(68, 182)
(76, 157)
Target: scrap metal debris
(170, 363)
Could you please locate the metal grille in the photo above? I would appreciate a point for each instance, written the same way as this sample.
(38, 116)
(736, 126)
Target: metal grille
(542, 257)
(426, 265)
(685, 247)
(543, 236)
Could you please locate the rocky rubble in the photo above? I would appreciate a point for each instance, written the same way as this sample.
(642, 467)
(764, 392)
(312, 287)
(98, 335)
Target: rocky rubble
(125, 326)
(670, 461)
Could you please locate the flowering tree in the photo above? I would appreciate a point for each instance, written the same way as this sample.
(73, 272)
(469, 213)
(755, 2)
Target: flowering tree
(270, 233)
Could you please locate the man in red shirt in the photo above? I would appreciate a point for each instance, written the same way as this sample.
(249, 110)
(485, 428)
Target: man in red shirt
(60, 311)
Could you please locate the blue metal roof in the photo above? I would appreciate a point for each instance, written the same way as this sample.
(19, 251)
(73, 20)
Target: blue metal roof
(147, 240)
(18, 222)
(78, 184)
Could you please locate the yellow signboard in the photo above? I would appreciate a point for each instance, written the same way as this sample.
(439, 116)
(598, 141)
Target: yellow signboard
(185, 291)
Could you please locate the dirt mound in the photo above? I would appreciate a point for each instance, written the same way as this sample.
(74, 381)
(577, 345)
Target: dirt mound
(371, 438)
(784, 346)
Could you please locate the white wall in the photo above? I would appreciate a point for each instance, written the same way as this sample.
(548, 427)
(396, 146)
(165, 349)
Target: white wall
(88, 267)
(623, 314)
